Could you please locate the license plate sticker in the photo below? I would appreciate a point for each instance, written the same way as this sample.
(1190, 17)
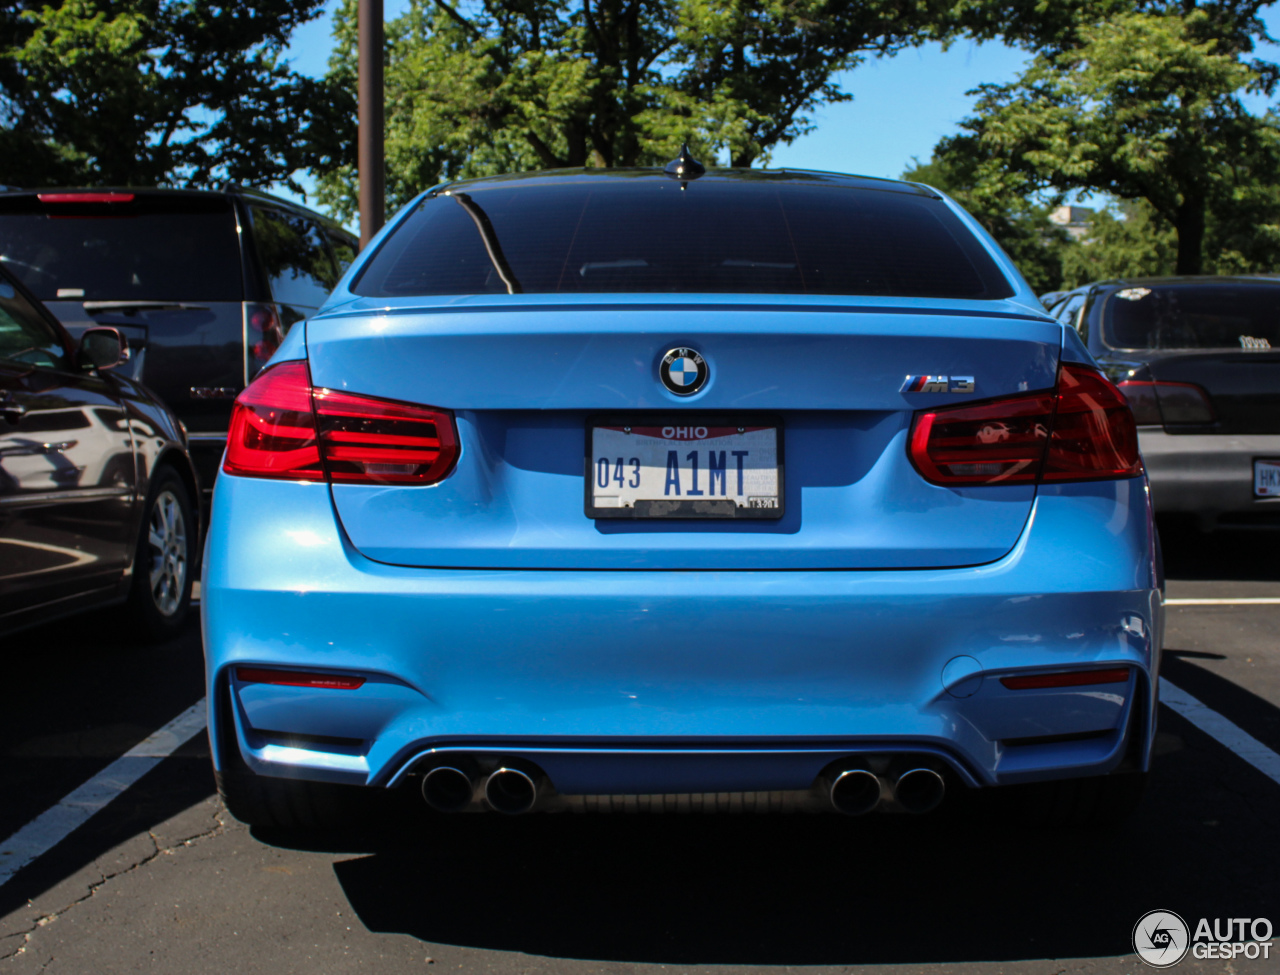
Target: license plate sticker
(711, 469)
(1266, 478)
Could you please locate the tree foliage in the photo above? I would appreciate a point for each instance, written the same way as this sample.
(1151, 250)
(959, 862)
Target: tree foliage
(1145, 106)
(484, 86)
(176, 92)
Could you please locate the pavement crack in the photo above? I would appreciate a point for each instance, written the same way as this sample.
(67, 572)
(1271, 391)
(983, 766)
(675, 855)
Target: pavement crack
(157, 850)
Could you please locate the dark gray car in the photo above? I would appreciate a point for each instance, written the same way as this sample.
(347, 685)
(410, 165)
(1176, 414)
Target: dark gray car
(203, 284)
(96, 485)
(1199, 359)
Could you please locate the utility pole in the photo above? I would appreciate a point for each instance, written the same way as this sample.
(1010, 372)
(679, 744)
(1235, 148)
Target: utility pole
(370, 161)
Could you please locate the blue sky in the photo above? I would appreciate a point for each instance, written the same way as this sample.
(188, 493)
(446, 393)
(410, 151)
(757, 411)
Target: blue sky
(901, 105)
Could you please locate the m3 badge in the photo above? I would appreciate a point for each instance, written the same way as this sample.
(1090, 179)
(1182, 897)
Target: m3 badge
(938, 384)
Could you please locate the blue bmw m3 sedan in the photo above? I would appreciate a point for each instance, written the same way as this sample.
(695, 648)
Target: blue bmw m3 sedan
(679, 489)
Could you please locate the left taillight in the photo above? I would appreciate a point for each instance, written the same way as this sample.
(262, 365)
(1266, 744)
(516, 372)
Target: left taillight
(1081, 431)
(273, 429)
(281, 427)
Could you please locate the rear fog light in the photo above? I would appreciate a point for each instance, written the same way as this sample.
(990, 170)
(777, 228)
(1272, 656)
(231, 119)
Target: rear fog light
(298, 678)
(1076, 678)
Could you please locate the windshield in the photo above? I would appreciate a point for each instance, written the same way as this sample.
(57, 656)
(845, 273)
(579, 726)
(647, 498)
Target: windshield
(1229, 315)
(646, 234)
(149, 251)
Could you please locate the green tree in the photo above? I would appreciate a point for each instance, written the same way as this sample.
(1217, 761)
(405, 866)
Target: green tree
(485, 86)
(1128, 240)
(1144, 106)
(170, 92)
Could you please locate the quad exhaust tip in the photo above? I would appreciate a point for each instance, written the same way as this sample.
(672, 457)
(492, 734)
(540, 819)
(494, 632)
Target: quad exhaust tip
(510, 791)
(855, 791)
(919, 790)
(448, 789)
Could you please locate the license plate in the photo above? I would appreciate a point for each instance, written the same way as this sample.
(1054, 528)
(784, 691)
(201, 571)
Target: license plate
(1266, 478)
(682, 468)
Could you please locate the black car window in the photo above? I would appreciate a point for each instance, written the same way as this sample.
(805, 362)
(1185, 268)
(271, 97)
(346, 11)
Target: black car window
(1197, 315)
(1069, 312)
(343, 252)
(646, 234)
(294, 257)
(145, 248)
(25, 337)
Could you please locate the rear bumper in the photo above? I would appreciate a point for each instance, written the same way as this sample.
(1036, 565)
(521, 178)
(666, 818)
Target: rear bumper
(680, 681)
(1206, 474)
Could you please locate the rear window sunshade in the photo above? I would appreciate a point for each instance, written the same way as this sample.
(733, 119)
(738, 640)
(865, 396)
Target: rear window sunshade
(148, 248)
(718, 236)
(1236, 315)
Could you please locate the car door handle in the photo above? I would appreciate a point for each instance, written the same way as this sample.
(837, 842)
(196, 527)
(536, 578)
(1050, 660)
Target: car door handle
(11, 409)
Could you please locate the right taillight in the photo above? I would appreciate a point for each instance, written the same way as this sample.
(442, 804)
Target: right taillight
(283, 428)
(1083, 431)
(1156, 403)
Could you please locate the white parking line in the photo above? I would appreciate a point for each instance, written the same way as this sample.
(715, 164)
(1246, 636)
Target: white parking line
(1242, 601)
(54, 825)
(1226, 732)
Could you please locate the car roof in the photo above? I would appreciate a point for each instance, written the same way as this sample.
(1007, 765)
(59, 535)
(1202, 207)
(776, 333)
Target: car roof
(227, 191)
(643, 174)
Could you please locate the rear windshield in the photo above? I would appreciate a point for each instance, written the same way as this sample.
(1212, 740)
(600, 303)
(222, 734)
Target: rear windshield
(153, 249)
(719, 236)
(1193, 316)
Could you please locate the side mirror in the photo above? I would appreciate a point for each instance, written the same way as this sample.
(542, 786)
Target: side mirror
(102, 348)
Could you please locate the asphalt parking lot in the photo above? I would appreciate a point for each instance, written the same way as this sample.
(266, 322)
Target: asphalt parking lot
(161, 879)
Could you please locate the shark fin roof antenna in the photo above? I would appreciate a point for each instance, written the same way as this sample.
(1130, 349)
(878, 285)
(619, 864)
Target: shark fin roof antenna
(684, 167)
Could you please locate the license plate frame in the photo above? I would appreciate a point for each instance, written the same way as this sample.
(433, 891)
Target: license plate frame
(772, 507)
(1259, 465)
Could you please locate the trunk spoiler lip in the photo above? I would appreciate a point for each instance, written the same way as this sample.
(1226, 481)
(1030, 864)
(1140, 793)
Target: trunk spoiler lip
(371, 307)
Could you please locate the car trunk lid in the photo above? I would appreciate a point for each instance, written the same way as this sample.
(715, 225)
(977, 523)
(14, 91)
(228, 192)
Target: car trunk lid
(526, 377)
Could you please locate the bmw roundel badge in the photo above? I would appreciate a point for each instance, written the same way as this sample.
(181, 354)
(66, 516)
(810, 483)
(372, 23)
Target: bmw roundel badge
(684, 371)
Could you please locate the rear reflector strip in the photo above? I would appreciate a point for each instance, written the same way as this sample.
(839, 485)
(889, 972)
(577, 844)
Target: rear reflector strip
(85, 197)
(297, 678)
(1076, 678)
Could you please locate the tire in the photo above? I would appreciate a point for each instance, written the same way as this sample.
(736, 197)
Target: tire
(160, 596)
